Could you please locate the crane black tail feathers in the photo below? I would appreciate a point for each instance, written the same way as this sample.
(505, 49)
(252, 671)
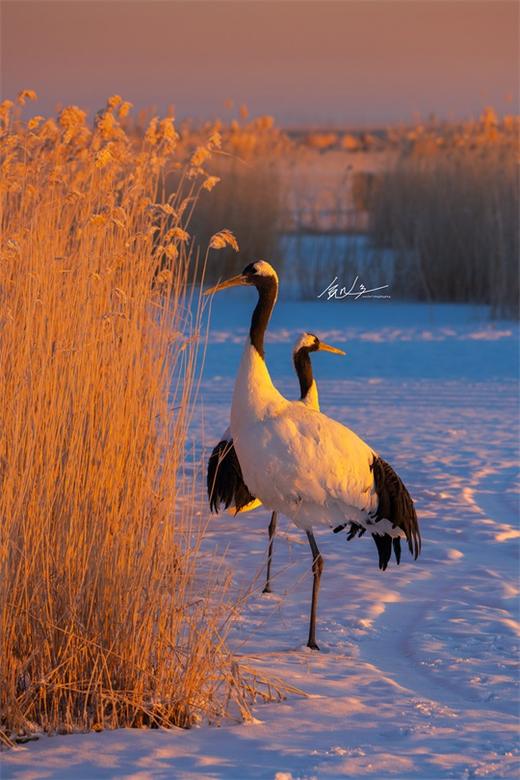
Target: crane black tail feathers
(224, 479)
(396, 544)
(395, 504)
(384, 543)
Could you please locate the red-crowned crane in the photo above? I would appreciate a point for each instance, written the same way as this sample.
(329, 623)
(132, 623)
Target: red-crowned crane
(307, 466)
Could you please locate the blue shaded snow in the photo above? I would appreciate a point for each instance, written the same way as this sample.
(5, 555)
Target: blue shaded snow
(383, 339)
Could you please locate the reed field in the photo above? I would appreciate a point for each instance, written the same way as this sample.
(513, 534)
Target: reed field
(449, 208)
(441, 197)
(106, 618)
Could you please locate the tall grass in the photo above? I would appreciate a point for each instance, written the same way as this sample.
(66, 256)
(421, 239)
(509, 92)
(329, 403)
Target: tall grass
(439, 202)
(249, 200)
(103, 618)
(250, 196)
(452, 217)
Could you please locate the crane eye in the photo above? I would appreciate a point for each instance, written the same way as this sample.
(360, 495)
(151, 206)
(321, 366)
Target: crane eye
(250, 270)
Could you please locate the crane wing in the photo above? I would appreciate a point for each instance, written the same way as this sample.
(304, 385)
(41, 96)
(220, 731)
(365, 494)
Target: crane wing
(395, 505)
(224, 479)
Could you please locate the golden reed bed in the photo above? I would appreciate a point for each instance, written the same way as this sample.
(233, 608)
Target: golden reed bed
(106, 618)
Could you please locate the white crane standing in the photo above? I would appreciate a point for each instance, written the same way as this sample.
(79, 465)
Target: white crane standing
(225, 481)
(301, 463)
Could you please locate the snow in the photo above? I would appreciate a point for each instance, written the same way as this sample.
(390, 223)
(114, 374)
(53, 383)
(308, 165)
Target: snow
(418, 673)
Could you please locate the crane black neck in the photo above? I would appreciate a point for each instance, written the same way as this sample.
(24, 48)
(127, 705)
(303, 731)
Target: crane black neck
(303, 367)
(267, 287)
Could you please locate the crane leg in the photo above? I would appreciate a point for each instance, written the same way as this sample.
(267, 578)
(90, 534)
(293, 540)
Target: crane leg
(272, 531)
(317, 568)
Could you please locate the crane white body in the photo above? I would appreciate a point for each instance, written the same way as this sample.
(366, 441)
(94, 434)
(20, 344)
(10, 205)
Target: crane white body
(297, 460)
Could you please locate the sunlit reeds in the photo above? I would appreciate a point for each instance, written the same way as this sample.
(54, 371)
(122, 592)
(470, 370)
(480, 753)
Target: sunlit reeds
(450, 211)
(250, 196)
(442, 196)
(106, 619)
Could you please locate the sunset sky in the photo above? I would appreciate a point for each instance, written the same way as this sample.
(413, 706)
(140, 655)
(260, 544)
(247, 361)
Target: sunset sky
(323, 63)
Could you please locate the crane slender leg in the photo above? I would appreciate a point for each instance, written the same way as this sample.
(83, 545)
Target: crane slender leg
(317, 568)
(272, 531)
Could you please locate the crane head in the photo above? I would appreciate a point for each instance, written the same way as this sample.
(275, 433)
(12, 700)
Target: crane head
(308, 342)
(257, 274)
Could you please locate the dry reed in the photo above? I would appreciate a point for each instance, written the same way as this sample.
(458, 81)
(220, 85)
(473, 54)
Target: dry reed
(103, 621)
(452, 218)
(250, 195)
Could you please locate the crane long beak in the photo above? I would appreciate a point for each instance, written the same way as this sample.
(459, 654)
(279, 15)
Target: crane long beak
(327, 348)
(233, 282)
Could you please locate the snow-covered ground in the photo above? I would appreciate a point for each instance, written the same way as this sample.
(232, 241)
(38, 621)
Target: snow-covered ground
(418, 674)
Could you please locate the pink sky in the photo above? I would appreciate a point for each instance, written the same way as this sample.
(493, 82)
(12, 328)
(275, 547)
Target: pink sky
(323, 62)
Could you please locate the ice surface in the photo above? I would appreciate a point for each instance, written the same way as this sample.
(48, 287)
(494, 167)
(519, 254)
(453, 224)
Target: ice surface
(418, 671)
